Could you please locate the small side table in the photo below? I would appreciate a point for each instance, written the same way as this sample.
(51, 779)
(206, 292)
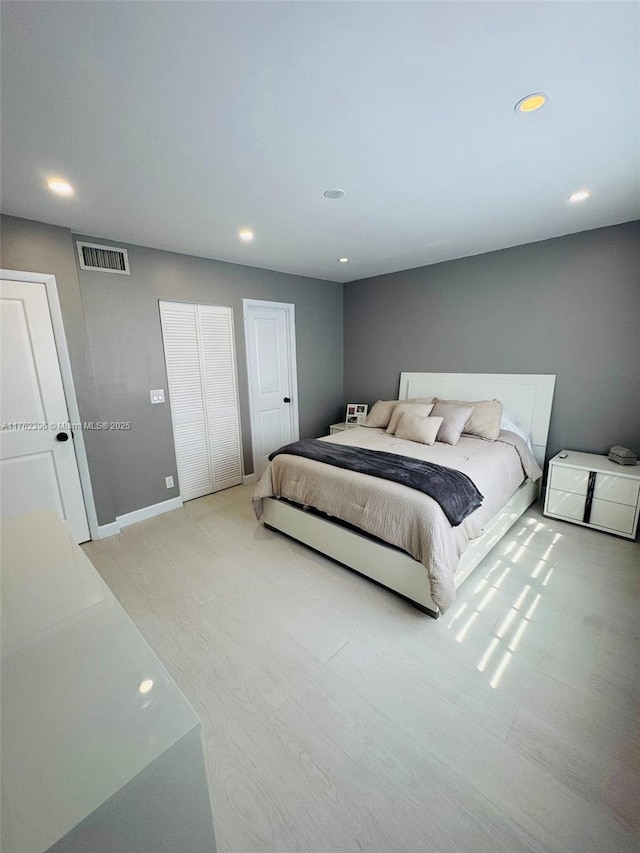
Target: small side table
(334, 428)
(593, 491)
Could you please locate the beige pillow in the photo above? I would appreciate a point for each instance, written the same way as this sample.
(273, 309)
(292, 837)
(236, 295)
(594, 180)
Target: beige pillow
(380, 414)
(485, 418)
(418, 428)
(423, 409)
(454, 420)
(420, 400)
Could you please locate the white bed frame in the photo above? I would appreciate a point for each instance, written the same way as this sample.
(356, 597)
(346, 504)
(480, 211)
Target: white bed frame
(527, 396)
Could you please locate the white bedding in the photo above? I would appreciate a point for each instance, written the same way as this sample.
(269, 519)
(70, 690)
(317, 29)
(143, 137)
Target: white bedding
(396, 513)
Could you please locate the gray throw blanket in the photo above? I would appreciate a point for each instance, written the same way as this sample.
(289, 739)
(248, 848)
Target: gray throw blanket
(453, 490)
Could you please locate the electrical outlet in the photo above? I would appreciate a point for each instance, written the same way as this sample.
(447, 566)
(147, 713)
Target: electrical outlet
(169, 482)
(157, 396)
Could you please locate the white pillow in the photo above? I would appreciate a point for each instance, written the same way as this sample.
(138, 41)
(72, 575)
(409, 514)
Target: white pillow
(510, 422)
(418, 428)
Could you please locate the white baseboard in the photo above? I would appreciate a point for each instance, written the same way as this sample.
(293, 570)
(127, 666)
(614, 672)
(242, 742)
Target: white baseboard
(249, 478)
(136, 516)
(148, 512)
(105, 530)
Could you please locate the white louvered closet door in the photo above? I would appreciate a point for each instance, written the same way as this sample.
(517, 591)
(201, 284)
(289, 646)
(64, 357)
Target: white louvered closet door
(220, 394)
(200, 359)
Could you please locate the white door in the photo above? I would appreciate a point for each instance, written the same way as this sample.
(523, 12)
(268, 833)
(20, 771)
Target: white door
(201, 372)
(38, 466)
(271, 365)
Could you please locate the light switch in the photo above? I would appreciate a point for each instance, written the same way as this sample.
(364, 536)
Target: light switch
(157, 396)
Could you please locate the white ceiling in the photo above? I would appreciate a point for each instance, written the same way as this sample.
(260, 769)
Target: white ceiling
(180, 122)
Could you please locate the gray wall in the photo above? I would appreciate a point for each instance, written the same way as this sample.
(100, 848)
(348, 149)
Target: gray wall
(569, 306)
(125, 341)
(117, 355)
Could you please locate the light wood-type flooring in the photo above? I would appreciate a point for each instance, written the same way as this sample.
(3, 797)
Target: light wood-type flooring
(336, 717)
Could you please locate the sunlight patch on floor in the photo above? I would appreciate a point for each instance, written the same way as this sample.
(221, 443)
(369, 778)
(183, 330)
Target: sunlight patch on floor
(504, 640)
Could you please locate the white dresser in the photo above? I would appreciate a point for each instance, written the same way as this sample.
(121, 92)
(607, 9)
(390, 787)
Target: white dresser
(100, 750)
(591, 490)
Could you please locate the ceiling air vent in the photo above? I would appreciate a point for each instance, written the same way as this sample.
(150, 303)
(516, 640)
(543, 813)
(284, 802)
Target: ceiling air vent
(103, 258)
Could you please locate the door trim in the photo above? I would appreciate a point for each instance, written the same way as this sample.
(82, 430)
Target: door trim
(290, 310)
(51, 287)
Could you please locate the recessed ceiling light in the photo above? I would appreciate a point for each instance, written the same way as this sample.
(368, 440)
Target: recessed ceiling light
(146, 685)
(343, 260)
(59, 186)
(333, 193)
(531, 103)
(245, 234)
(580, 195)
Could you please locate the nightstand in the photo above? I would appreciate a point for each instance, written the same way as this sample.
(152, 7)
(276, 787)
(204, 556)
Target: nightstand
(593, 491)
(341, 427)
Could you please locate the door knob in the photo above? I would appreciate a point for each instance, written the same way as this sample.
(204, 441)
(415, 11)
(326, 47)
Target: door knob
(62, 436)
(287, 400)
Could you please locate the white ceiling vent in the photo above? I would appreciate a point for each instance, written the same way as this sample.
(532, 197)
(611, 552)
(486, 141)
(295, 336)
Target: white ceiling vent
(104, 258)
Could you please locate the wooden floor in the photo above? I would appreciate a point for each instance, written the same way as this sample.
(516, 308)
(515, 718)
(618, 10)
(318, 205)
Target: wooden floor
(338, 718)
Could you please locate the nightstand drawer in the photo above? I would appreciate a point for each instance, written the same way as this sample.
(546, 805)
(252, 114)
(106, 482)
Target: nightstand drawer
(566, 504)
(573, 480)
(613, 516)
(621, 490)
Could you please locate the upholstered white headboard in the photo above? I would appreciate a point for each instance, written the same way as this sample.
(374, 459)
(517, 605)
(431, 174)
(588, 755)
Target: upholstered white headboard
(528, 396)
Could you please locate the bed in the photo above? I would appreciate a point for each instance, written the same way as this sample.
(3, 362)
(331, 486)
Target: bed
(414, 551)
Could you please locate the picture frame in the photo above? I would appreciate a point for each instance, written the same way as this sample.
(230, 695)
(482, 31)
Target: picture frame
(355, 414)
